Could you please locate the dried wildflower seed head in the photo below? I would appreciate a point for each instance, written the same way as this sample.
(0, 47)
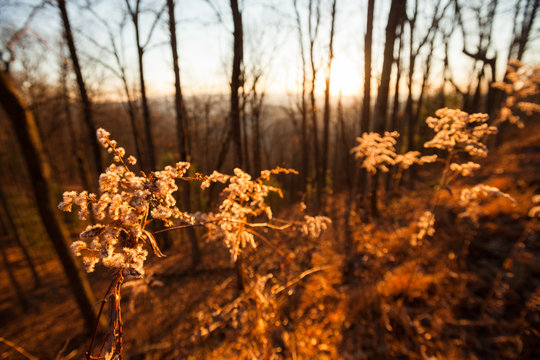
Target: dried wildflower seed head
(465, 169)
(424, 228)
(125, 201)
(314, 225)
(376, 152)
(534, 212)
(456, 130)
(405, 161)
(470, 199)
(480, 192)
(243, 199)
(521, 82)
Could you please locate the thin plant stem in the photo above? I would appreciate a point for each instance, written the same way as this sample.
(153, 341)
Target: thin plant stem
(103, 302)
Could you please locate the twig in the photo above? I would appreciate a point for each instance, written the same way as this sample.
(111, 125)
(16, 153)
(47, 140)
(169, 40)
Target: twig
(253, 225)
(278, 250)
(300, 277)
(17, 348)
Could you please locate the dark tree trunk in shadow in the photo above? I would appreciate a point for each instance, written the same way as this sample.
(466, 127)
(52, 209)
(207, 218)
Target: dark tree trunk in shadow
(302, 105)
(182, 133)
(25, 130)
(236, 83)
(87, 106)
(326, 113)
(395, 17)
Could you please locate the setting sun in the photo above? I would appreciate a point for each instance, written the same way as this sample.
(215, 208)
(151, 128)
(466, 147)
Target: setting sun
(346, 77)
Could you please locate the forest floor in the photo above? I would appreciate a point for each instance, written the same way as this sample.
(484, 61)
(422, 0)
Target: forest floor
(469, 292)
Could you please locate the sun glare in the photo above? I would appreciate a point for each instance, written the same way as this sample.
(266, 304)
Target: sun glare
(345, 77)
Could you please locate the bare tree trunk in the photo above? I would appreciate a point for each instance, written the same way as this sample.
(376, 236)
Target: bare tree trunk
(182, 133)
(82, 169)
(425, 80)
(528, 21)
(244, 127)
(120, 72)
(395, 17)
(145, 107)
(237, 82)
(130, 107)
(236, 132)
(412, 63)
(313, 33)
(87, 106)
(397, 13)
(133, 122)
(256, 110)
(147, 120)
(326, 114)
(365, 121)
(394, 126)
(395, 106)
(303, 107)
(25, 129)
(368, 39)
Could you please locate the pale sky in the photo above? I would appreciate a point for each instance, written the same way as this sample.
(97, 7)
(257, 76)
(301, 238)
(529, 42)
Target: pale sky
(205, 44)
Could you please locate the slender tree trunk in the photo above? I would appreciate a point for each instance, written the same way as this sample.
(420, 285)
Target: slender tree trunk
(87, 106)
(129, 103)
(368, 39)
(236, 132)
(326, 114)
(395, 112)
(395, 17)
(528, 22)
(425, 80)
(244, 127)
(303, 107)
(82, 169)
(256, 110)
(147, 120)
(237, 82)
(25, 129)
(397, 13)
(135, 131)
(182, 132)
(365, 121)
(412, 63)
(132, 118)
(313, 33)
(395, 106)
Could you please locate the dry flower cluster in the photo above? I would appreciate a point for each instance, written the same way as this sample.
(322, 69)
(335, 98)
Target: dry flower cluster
(455, 131)
(243, 199)
(314, 225)
(534, 212)
(378, 153)
(127, 203)
(424, 228)
(522, 81)
(470, 199)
